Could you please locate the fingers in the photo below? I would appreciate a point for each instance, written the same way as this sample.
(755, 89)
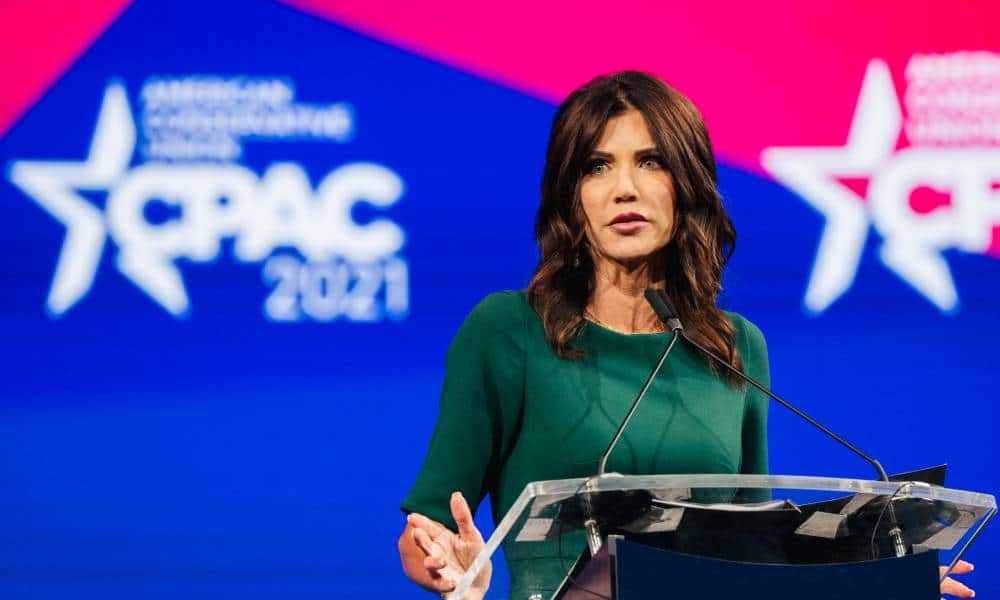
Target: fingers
(420, 521)
(436, 562)
(956, 588)
(437, 543)
(440, 581)
(444, 586)
(961, 568)
(463, 516)
(426, 543)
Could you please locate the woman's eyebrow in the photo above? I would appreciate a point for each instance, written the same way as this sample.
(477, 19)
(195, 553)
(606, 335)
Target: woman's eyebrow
(609, 156)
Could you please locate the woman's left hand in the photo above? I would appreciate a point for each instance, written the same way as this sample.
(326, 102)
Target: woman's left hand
(955, 588)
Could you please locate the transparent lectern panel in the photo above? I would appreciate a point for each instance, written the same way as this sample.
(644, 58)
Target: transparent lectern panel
(749, 518)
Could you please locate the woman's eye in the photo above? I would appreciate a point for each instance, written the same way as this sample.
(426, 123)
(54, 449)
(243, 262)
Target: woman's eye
(651, 162)
(597, 167)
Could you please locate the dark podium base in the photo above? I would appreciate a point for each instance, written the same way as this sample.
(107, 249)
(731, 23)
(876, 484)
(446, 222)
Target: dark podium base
(628, 570)
(646, 572)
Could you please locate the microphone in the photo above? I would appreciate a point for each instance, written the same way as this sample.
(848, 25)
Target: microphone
(665, 310)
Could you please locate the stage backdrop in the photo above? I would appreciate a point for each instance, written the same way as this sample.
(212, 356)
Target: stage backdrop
(238, 237)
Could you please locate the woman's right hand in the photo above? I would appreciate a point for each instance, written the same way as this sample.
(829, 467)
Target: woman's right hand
(953, 587)
(446, 555)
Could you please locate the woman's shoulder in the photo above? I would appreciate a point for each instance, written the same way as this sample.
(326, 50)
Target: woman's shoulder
(749, 337)
(496, 329)
(501, 310)
(753, 351)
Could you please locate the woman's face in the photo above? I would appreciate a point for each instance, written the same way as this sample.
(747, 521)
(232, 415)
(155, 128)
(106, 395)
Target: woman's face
(627, 194)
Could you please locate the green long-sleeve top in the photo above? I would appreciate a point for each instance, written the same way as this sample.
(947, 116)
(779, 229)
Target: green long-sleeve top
(513, 412)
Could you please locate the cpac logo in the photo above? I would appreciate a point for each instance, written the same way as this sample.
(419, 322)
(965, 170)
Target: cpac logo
(209, 202)
(954, 152)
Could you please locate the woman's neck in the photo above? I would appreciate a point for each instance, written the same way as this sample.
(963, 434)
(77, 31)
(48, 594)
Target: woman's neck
(618, 302)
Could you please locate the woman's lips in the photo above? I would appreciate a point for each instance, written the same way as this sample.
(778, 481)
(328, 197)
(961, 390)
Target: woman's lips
(628, 223)
(628, 226)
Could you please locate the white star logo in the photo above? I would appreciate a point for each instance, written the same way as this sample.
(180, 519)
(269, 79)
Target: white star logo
(54, 186)
(210, 202)
(912, 242)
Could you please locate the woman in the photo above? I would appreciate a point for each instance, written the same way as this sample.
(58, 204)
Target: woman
(537, 382)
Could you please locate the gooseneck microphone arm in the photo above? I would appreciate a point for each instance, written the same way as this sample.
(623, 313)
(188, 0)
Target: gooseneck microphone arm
(635, 403)
(590, 524)
(665, 310)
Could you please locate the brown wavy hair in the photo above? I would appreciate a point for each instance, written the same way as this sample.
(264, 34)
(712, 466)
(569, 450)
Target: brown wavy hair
(703, 239)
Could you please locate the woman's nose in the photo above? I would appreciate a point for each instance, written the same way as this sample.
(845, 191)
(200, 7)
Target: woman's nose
(625, 188)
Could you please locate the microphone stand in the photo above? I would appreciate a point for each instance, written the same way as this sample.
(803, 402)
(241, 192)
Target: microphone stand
(668, 314)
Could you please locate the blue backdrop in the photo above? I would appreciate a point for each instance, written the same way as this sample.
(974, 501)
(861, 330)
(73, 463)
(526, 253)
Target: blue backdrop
(257, 443)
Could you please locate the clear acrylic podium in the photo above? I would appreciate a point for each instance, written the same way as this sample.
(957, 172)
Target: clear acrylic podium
(718, 536)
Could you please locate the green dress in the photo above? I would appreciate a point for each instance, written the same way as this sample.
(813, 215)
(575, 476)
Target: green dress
(513, 412)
